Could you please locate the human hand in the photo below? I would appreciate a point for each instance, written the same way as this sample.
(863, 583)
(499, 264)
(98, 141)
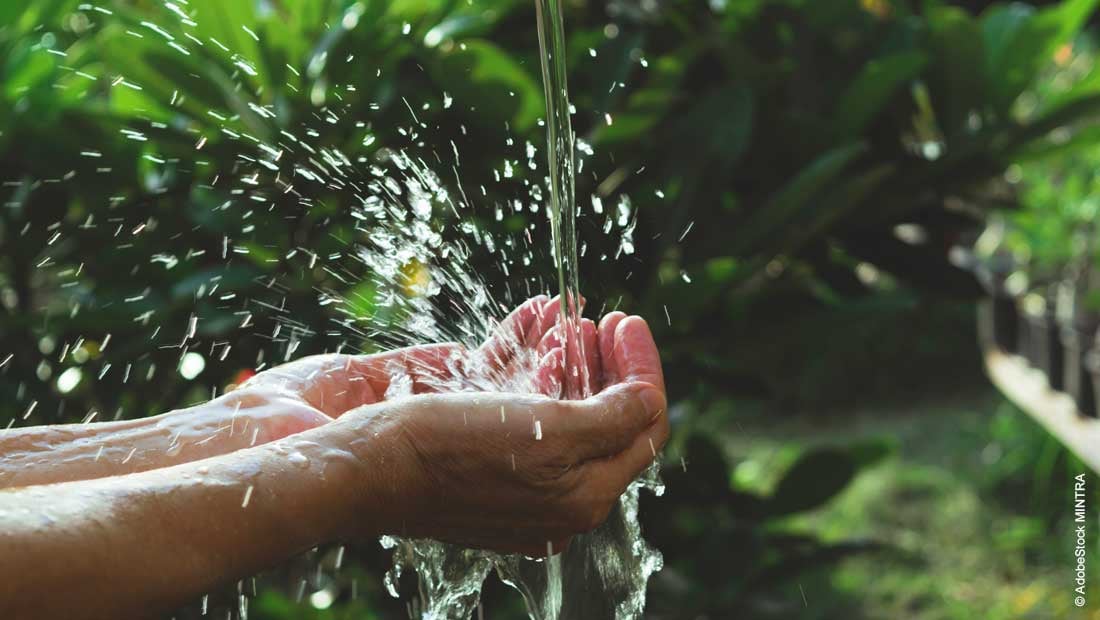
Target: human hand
(520, 473)
(522, 355)
(463, 455)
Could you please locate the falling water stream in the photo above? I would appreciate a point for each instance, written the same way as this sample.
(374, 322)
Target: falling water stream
(560, 157)
(602, 575)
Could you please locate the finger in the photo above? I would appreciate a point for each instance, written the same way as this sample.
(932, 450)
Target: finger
(434, 368)
(577, 308)
(606, 333)
(591, 355)
(288, 421)
(550, 340)
(635, 353)
(609, 423)
(610, 477)
(338, 383)
(291, 376)
(547, 317)
(301, 378)
(587, 345)
(548, 377)
(512, 332)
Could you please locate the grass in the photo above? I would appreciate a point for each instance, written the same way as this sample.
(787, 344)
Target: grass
(975, 505)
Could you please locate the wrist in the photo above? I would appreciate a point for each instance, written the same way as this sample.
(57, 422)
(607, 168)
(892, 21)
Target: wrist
(369, 485)
(330, 482)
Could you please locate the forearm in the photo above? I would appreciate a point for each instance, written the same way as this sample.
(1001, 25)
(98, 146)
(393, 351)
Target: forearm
(170, 535)
(61, 453)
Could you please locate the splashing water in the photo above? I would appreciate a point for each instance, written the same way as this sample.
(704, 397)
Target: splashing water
(404, 275)
(602, 574)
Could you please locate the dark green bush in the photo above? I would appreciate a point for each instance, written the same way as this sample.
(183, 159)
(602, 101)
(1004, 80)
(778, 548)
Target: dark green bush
(782, 147)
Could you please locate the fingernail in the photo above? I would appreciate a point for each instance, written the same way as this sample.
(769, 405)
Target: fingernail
(653, 401)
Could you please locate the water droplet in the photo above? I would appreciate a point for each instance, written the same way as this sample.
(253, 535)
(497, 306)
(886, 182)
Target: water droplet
(298, 459)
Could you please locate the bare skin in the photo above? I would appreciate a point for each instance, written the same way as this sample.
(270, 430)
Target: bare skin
(277, 403)
(173, 506)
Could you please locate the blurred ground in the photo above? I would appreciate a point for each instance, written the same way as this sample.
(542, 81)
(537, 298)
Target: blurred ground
(976, 504)
(974, 507)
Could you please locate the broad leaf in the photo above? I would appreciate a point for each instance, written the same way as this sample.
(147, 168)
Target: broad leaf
(874, 86)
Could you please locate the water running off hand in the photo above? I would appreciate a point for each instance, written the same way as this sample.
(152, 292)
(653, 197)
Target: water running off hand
(602, 574)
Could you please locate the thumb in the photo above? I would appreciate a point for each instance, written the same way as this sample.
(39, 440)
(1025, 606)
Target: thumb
(610, 422)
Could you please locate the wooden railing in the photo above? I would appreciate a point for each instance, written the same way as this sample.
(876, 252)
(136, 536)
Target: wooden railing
(1028, 389)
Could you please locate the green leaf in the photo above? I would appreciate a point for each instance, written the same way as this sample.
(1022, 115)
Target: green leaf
(361, 300)
(708, 476)
(292, 28)
(1021, 40)
(871, 451)
(11, 9)
(616, 61)
(879, 80)
(726, 127)
(1086, 138)
(414, 10)
(957, 77)
(812, 481)
(481, 75)
(1019, 139)
(847, 197)
(226, 22)
(25, 69)
(769, 222)
(232, 277)
(649, 105)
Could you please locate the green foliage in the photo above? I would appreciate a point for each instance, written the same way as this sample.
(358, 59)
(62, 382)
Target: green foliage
(840, 123)
(812, 481)
(781, 144)
(974, 483)
(727, 545)
(1051, 228)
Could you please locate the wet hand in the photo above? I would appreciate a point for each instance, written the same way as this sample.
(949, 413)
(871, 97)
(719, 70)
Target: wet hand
(522, 355)
(523, 473)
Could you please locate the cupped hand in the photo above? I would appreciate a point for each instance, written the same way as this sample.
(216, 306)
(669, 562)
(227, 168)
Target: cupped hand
(524, 473)
(478, 448)
(522, 355)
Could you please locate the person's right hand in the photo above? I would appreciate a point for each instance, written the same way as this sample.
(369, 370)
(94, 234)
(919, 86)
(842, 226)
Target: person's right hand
(514, 472)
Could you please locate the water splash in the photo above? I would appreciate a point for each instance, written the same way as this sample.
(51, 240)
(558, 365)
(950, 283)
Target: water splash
(602, 574)
(401, 275)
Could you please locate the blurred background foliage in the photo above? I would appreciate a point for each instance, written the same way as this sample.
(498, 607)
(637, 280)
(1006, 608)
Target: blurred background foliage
(799, 171)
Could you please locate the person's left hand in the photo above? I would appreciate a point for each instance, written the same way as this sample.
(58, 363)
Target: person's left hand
(522, 355)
